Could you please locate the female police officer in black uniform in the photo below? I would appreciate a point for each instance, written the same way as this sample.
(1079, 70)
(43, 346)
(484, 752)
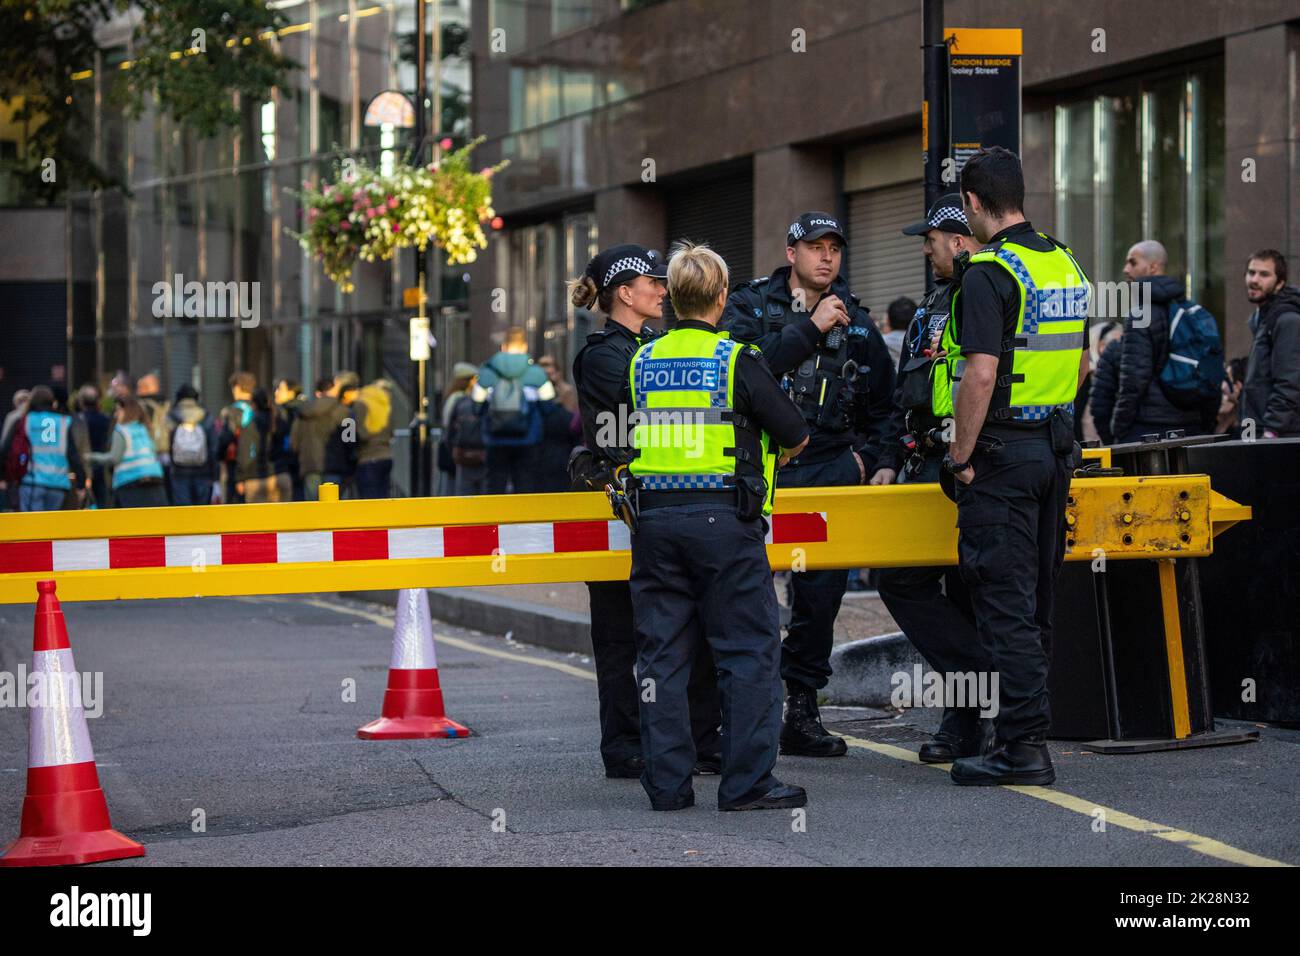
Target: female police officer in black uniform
(626, 283)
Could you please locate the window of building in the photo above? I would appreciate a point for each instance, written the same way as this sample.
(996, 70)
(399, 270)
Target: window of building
(507, 27)
(569, 15)
(1143, 159)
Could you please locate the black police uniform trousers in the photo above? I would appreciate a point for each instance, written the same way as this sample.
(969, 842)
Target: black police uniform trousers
(700, 574)
(613, 647)
(1011, 542)
(815, 596)
(932, 607)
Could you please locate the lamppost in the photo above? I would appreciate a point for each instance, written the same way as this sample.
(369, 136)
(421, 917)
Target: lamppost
(420, 470)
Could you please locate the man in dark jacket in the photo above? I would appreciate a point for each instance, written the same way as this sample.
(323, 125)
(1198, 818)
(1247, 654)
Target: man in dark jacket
(824, 348)
(1270, 401)
(316, 423)
(1141, 407)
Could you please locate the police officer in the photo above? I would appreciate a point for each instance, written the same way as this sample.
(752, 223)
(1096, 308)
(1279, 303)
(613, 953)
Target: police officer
(931, 605)
(712, 422)
(820, 343)
(1014, 357)
(626, 284)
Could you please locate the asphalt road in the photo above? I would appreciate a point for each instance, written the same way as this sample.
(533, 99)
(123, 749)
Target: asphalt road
(235, 707)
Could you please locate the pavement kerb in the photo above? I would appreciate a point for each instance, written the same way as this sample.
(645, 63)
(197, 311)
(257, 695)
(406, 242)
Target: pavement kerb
(527, 622)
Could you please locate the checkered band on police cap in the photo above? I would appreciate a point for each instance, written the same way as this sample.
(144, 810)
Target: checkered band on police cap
(941, 213)
(633, 264)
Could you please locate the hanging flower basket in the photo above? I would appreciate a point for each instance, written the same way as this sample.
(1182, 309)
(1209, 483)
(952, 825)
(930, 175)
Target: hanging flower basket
(367, 215)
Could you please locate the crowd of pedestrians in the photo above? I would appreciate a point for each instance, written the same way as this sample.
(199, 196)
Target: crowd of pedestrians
(137, 449)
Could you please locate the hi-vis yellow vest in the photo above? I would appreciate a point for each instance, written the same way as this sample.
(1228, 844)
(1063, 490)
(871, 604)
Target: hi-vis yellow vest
(1038, 370)
(685, 434)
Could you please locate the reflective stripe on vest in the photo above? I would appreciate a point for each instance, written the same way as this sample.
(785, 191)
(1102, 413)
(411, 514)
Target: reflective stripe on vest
(139, 461)
(1050, 335)
(684, 429)
(48, 434)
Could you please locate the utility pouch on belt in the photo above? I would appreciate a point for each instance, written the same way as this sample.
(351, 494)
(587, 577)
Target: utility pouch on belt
(918, 391)
(587, 472)
(1062, 434)
(751, 492)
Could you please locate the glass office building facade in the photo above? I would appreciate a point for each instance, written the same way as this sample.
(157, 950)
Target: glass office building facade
(1143, 159)
(220, 210)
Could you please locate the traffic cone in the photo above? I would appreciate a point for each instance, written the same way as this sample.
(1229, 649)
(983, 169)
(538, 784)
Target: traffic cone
(413, 700)
(65, 816)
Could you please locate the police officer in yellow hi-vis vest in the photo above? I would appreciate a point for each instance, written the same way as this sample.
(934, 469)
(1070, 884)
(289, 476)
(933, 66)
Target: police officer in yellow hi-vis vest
(710, 425)
(1013, 358)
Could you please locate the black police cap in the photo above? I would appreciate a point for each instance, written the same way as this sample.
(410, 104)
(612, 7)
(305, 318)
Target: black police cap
(946, 214)
(619, 264)
(814, 225)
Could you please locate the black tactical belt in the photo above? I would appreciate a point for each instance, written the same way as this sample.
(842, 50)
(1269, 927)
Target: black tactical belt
(663, 499)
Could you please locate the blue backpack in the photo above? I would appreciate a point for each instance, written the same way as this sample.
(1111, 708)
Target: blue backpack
(1193, 371)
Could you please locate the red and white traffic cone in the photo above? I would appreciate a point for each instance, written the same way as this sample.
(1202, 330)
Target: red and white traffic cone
(65, 816)
(413, 700)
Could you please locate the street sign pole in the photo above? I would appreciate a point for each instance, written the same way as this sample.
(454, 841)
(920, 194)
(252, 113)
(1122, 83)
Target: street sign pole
(934, 123)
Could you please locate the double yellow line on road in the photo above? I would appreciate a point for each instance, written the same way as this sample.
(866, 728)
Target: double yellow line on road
(1192, 841)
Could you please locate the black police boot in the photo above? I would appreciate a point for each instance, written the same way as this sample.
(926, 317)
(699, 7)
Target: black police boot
(958, 737)
(802, 733)
(707, 764)
(1025, 762)
(781, 797)
(629, 769)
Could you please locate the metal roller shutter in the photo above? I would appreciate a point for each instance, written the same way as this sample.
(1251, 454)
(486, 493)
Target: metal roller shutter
(884, 263)
(33, 328)
(721, 213)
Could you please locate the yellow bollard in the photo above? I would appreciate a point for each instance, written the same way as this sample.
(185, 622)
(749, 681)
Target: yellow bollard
(328, 492)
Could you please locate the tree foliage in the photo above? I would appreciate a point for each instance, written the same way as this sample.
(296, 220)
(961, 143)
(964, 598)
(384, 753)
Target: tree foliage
(187, 57)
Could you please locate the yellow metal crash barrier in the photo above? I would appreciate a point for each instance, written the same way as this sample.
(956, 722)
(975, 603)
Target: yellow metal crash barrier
(529, 539)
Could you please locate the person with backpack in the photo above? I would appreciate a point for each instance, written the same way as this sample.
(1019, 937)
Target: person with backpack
(40, 458)
(341, 443)
(465, 434)
(373, 413)
(8, 487)
(512, 386)
(148, 391)
(462, 380)
(254, 475)
(137, 472)
(1171, 358)
(232, 421)
(243, 444)
(192, 438)
(311, 432)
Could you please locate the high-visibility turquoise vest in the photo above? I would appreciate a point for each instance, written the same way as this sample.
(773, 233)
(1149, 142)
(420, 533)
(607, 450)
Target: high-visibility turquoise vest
(686, 428)
(48, 434)
(139, 461)
(1038, 369)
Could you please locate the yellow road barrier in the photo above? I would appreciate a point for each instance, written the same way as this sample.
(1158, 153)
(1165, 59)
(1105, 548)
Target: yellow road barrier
(529, 539)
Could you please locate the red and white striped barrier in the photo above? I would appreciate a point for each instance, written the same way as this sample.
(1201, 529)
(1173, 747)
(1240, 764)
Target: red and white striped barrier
(380, 544)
